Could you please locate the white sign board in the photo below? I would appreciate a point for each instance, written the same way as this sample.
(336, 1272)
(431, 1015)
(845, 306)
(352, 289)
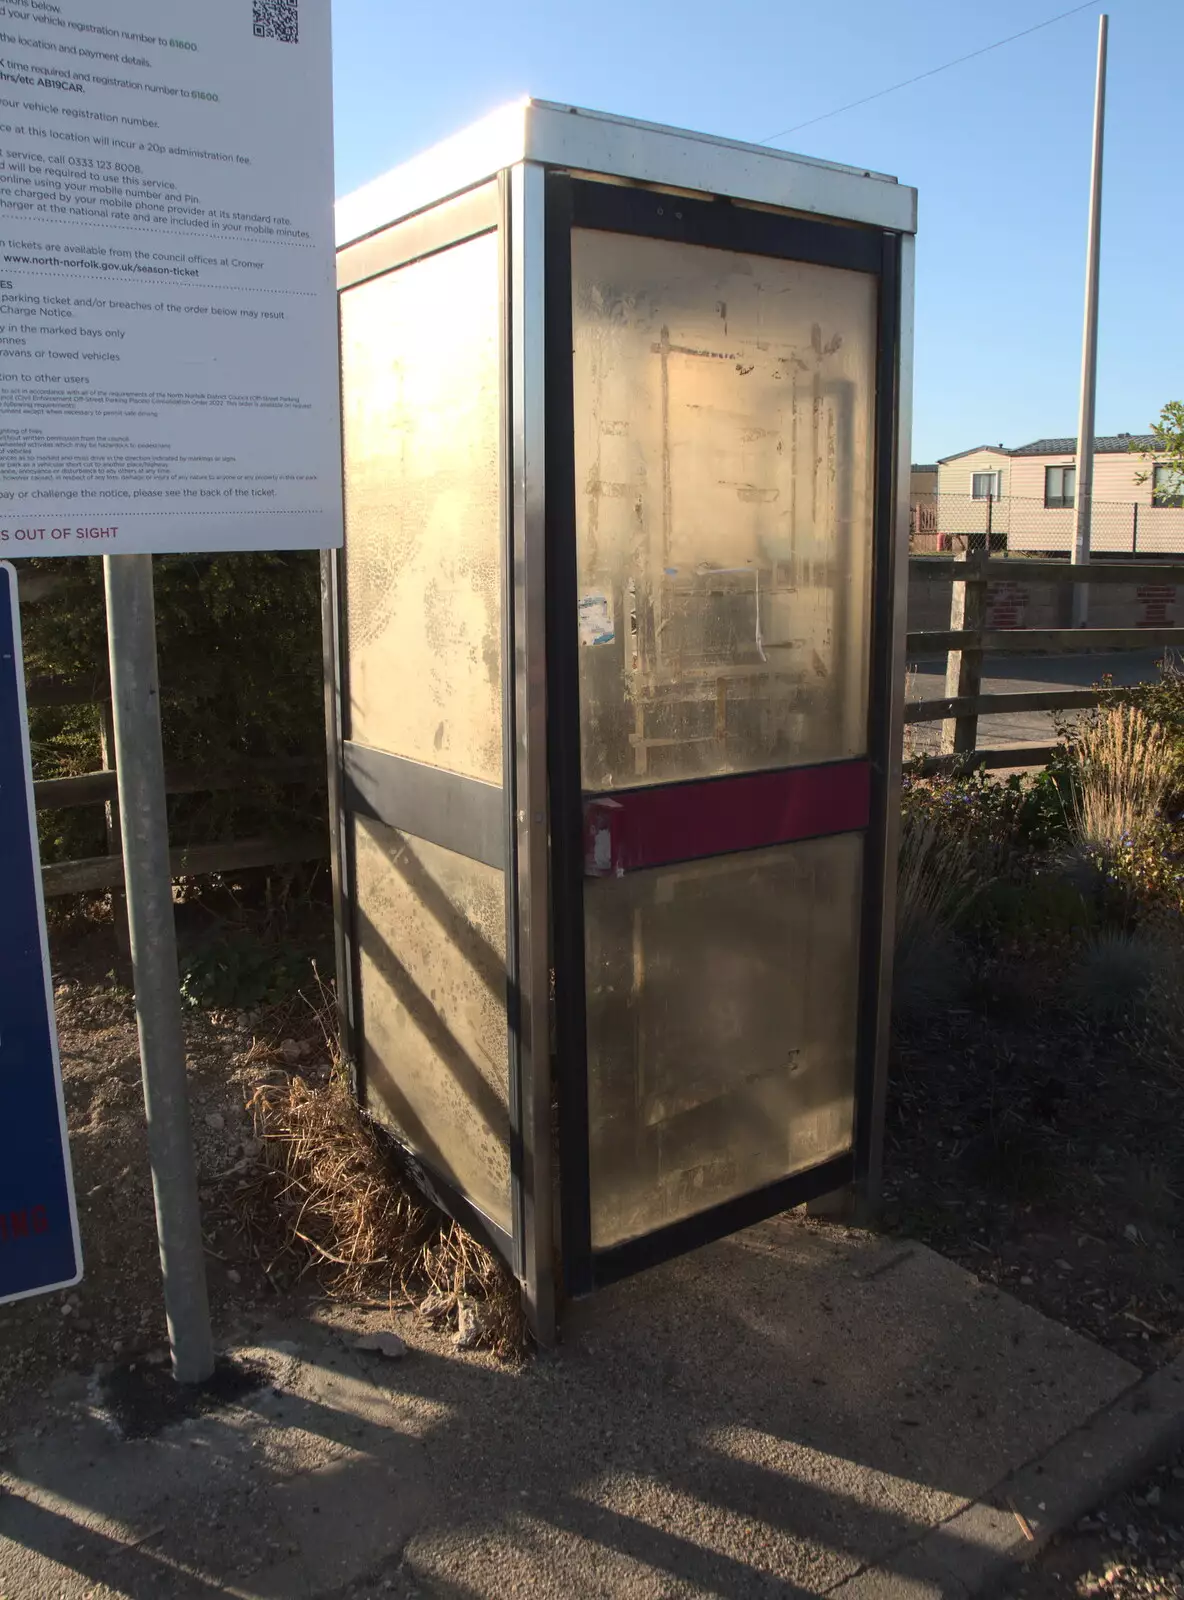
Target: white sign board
(168, 323)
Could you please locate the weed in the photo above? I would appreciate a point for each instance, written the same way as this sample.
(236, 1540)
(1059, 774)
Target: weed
(240, 973)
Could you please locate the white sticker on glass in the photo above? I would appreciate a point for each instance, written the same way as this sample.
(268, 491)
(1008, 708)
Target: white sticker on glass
(596, 619)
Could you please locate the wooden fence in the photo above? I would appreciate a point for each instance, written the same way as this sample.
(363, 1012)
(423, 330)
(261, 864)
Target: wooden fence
(967, 640)
(89, 874)
(93, 873)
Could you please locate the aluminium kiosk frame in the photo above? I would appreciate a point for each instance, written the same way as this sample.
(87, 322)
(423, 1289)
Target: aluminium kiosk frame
(529, 175)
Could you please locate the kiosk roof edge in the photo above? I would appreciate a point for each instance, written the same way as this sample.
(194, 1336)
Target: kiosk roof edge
(644, 152)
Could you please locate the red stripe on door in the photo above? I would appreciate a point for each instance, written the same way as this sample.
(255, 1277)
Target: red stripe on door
(636, 828)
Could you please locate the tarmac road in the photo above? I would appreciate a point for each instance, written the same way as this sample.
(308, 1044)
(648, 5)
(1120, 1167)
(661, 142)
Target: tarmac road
(1019, 675)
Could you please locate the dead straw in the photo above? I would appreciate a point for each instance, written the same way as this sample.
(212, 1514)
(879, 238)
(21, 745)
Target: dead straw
(332, 1200)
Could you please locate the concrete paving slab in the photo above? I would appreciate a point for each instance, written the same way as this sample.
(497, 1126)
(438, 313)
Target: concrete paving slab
(772, 1414)
(226, 1504)
(979, 1547)
(911, 1573)
(350, 1515)
(786, 1410)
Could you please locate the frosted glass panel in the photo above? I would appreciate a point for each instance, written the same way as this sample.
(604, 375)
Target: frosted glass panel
(431, 936)
(419, 361)
(721, 1028)
(723, 465)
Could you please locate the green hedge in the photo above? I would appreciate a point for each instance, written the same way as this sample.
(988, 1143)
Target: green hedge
(239, 642)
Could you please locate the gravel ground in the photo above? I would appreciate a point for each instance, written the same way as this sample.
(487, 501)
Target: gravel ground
(1045, 1160)
(116, 1312)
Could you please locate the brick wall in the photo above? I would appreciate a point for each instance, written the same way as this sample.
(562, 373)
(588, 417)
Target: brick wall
(1014, 604)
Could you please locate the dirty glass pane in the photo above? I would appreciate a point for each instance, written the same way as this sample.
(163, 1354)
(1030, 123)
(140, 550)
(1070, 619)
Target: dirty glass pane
(723, 456)
(721, 1028)
(419, 362)
(432, 956)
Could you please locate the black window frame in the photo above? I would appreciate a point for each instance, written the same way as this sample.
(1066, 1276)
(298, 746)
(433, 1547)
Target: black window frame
(573, 202)
(1063, 501)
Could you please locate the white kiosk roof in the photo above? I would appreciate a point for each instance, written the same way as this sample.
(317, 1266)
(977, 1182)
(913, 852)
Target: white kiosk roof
(641, 152)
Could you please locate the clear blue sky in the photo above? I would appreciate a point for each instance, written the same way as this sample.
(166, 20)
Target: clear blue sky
(998, 148)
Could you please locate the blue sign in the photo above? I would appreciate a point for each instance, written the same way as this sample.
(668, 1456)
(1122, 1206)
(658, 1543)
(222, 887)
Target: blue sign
(39, 1248)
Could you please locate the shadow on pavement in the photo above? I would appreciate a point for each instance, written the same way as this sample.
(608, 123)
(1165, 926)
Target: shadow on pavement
(763, 1418)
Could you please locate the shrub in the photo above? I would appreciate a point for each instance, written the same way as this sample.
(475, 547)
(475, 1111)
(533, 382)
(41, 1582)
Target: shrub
(1116, 978)
(239, 644)
(1101, 883)
(1045, 902)
(240, 972)
(1163, 701)
(937, 881)
(927, 975)
(1030, 810)
(938, 876)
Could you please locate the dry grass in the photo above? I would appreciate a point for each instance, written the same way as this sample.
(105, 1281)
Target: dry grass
(1127, 768)
(937, 879)
(333, 1201)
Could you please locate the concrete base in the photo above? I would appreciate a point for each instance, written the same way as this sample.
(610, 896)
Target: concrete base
(787, 1412)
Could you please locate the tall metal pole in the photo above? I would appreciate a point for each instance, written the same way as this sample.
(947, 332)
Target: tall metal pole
(1089, 345)
(139, 765)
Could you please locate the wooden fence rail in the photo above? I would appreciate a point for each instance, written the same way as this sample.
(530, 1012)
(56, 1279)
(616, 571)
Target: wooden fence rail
(101, 788)
(967, 640)
(89, 874)
(106, 872)
(943, 569)
(1053, 641)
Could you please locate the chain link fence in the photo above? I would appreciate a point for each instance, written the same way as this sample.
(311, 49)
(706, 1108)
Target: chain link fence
(1014, 525)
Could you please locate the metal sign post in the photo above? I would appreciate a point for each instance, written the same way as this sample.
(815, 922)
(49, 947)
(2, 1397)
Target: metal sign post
(39, 1248)
(143, 818)
(1089, 345)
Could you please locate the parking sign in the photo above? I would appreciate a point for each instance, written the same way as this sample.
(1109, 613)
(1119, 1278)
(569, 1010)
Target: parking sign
(39, 1246)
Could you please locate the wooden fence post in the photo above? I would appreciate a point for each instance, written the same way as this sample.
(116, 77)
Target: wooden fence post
(964, 668)
(114, 836)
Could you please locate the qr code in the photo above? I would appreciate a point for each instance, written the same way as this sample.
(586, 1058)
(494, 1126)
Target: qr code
(277, 19)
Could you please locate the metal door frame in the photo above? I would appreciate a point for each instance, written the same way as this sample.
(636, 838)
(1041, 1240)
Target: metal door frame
(442, 807)
(579, 202)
